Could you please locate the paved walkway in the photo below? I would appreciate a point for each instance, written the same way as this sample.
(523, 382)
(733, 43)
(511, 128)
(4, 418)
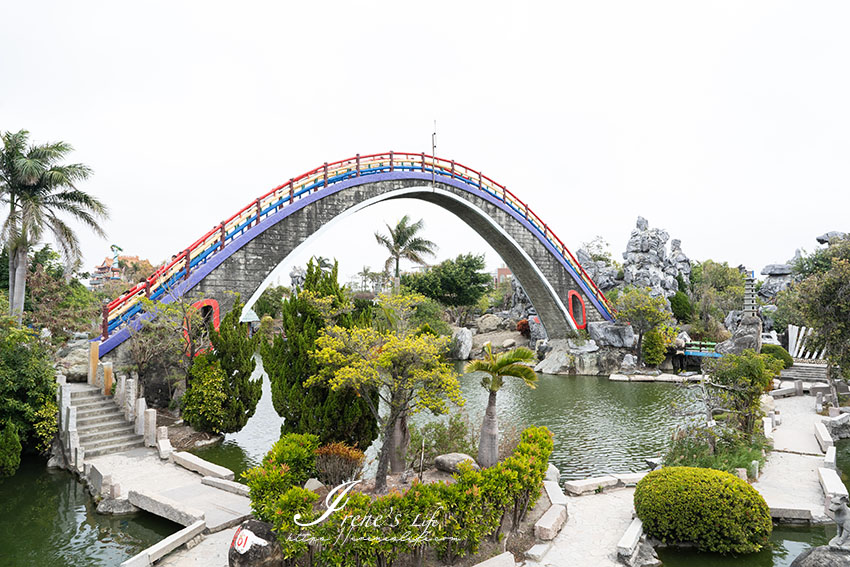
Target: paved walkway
(595, 524)
(789, 480)
(211, 552)
(142, 470)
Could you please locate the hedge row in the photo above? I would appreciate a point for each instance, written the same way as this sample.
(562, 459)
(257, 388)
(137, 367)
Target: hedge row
(452, 519)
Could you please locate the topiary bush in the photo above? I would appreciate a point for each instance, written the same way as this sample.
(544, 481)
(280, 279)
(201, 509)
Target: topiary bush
(654, 349)
(337, 463)
(713, 510)
(206, 396)
(10, 450)
(778, 353)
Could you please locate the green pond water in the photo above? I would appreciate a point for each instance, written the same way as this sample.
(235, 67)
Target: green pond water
(48, 519)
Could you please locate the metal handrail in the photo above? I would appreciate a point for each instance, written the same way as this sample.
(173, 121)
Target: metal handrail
(123, 308)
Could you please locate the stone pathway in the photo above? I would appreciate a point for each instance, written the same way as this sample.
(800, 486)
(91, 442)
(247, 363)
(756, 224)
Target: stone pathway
(211, 552)
(595, 524)
(789, 480)
(142, 470)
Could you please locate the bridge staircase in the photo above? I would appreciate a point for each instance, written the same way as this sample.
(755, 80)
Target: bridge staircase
(101, 425)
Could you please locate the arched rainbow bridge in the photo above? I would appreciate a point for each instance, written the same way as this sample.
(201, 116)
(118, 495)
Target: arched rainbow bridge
(240, 252)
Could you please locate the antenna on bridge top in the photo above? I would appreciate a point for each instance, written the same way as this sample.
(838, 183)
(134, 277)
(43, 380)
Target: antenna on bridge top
(434, 157)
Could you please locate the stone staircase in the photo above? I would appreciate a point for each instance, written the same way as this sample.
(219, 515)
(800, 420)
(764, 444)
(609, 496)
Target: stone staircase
(101, 425)
(805, 372)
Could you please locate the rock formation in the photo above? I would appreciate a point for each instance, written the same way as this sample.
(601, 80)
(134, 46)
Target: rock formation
(600, 271)
(606, 333)
(747, 336)
(778, 278)
(647, 263)
(520, 304)
(826, 237)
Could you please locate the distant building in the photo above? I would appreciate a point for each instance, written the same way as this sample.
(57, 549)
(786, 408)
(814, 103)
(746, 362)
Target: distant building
(503, 274)
(110, 270)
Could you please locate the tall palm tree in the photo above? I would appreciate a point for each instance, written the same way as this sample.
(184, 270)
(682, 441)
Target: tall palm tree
(364, 276)
(38, 189)
(495, 369)
(323, 263)
(402, 242)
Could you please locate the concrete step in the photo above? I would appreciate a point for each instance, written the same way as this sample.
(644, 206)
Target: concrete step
(111, 418)
(83, 403)
(85, 392)
(116, 439)
(94, 411)
(96, 433)
(116, 448)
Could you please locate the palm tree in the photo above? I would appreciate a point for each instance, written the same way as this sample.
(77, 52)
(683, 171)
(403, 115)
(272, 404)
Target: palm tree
(364, 276)
(38, 188)
(402, 242)
(323, 263)
(495, 369)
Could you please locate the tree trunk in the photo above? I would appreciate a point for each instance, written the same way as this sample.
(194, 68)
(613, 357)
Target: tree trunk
(12, 265)
(640, 349)
(400, 443)
(20, 283)
(488, 444)
(384, 456)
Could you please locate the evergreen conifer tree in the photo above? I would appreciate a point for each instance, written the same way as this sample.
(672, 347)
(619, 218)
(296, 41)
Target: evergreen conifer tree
(333, 416)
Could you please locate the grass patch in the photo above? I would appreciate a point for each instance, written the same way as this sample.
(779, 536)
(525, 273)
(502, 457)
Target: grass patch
(692, 447)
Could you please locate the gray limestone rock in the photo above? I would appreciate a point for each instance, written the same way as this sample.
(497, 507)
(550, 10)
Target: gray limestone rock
(255, 545)
(746, 336)
(822, 556)
(73, 361)
(116, 507)
(488, 323)
(538, 331)
(827, 237)
(776, 270)
(520, 304)
(733, 319)
(568, 356)
(647, 263)
(607, 333)
(450, 461)
(629, 364)
(461, 344)
(609, 362)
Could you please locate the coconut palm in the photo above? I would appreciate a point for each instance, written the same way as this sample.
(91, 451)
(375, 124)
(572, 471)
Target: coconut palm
(38, 189)
(364, 276)
(495, 369)
(324, 264)
(402, 242)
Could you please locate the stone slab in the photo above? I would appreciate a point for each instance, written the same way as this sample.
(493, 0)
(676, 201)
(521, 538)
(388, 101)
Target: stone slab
(791, 514)
(829, 459)
(550, 523)
(618, 378)
(783, 393)
(589, 485)
(165, 507)
(537, 551)
(629, 542)
(226, 485)
(831, 483)
(629, 479)
(150, 428)
(162, 548)
(554, 492)
(552, 473)
(506, 559)
(823, 437)
(767, 424)
(199, 465)
(164, 448)
(839, 419)
(221, 509)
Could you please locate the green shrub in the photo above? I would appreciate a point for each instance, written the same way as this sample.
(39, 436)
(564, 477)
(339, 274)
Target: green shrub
(723, 449)
(778, 353)
(204, 400)
(713, 510)
(337, 463)
(681, 306)
(10, 450)
(27, 386)
(377, 532)
(654, 349)
(265, 485)
(298, 452)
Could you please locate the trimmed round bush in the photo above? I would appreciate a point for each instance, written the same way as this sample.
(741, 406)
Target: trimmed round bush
(713, 510)
(10, 450)
(778, 353)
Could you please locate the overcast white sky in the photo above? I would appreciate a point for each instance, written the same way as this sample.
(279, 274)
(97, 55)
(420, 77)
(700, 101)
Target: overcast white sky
(726, 123)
